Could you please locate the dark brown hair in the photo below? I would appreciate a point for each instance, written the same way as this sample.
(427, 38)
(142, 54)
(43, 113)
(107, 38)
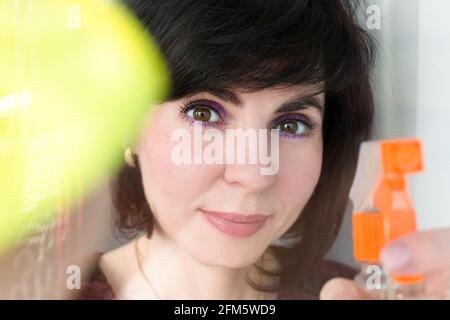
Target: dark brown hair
(215, 46)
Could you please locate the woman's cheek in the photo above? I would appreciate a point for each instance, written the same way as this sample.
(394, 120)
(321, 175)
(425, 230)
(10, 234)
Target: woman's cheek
(170, 187)
(299, 174)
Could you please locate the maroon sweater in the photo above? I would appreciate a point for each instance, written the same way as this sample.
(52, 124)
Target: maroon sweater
(98, 288)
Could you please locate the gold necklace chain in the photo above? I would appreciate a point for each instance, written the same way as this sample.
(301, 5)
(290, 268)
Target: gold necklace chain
(260, 295)
(141, 269)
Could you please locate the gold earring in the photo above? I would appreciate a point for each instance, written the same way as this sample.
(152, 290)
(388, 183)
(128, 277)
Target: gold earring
(129, 157)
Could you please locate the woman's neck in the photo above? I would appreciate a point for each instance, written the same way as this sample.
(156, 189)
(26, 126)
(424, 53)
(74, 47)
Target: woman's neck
(174, 274)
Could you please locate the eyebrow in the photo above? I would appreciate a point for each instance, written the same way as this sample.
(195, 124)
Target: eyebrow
(301, 103)
(298, 103)
(226, 95)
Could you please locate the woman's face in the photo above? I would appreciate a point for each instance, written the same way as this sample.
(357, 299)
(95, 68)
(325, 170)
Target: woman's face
(185, 198)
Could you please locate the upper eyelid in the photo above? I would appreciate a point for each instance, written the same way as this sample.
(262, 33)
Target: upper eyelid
(311, 123)
(208, 103)
(312, 119)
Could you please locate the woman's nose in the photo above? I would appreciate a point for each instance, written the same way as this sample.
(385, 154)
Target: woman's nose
(249, 176)
(254, 156)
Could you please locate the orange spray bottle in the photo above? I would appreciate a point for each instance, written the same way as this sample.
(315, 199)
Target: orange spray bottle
(382, 212)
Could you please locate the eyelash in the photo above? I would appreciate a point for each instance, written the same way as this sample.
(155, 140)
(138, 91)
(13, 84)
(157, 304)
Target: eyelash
(304, 120)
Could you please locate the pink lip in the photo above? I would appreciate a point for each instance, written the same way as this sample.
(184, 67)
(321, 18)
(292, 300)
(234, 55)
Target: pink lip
(234, 224)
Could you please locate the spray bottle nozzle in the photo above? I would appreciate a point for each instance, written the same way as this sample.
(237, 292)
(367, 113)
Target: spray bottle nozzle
(382, 210)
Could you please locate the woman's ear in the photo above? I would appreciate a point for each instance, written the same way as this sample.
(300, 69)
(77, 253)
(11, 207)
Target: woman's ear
(130, 157)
